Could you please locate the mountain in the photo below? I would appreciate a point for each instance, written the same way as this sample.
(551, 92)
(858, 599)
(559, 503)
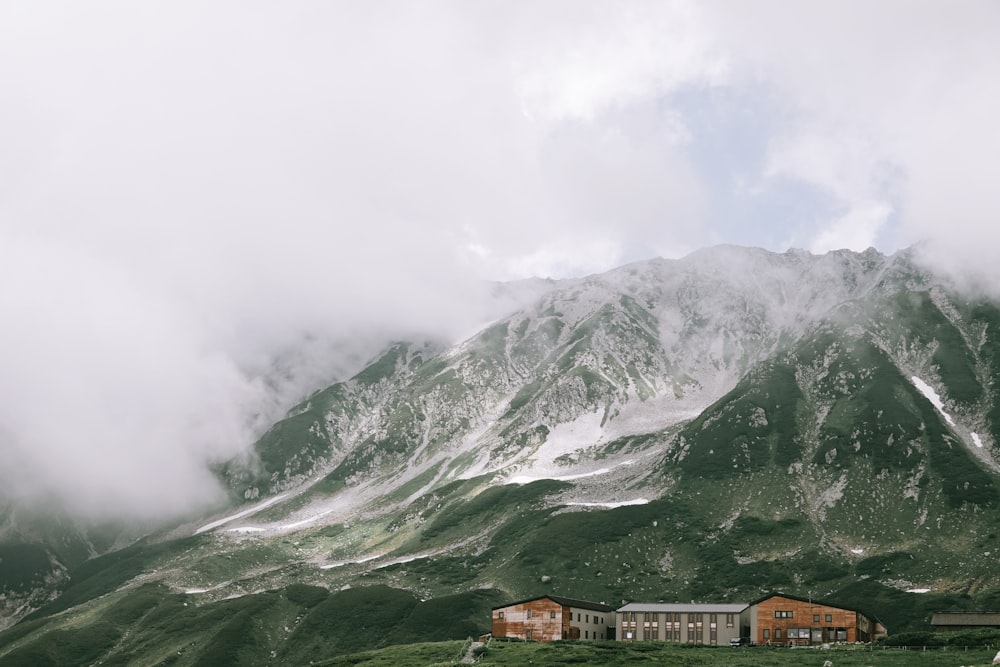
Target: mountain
(710, 428)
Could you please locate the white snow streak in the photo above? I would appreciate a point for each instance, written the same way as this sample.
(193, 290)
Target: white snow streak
(623, 503)
(932, 396)
(977, 440)
(919, 590)
(330, 566)
(240, 515)
(526, 479)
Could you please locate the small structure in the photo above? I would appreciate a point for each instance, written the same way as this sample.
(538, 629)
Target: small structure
(952, 621)
(711, 624)
(786, 619)
(552, 617)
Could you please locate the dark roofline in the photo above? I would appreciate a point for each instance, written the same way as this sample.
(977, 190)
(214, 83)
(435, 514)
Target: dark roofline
(963, 618)
(565, 602)
(825, 603)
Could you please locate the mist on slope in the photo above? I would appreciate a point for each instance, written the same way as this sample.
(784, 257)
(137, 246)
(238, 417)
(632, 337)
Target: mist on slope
(207, 212)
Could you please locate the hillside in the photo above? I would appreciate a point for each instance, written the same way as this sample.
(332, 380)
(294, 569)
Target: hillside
(710, 428)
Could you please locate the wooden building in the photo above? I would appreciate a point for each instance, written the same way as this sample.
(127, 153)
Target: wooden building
(794, 621)
(552, 617)
(952, 621)
(710, 624)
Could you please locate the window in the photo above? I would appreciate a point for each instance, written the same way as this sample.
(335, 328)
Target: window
(815, 618)
(588, 618)
(500, 616)
(767, 635)
(729, 620)
(552, 614)
(527, 635)
(829, 618)
(712, 618)
(577, 617)
(782, 614)
(529, 613)
(586, 634)
(777, 633)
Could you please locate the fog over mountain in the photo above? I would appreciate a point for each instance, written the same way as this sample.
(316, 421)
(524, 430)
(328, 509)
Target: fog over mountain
(208, 212)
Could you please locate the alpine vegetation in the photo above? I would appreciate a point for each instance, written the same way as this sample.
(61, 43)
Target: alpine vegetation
(714, 427)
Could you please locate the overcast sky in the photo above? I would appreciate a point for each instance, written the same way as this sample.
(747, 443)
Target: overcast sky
(190, 189)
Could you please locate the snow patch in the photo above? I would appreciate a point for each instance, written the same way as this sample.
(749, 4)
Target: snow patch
(977, 440)
(857, 550)
(623, 503)
(568, 437)
(526, 479)
(193, 591)
(932, 396)
(330, 566)
(240, 515)
(306, 521)
(919, 590)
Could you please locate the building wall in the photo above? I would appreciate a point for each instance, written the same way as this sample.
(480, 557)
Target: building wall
(973, 620)
(710, 628)
(780, 620)
(545, 620)
(588, 624)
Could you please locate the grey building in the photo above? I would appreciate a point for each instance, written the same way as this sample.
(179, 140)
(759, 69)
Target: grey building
(949, 621)
(710, 624)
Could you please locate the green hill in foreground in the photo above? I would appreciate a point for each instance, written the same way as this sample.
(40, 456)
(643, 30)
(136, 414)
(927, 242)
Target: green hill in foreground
(649, 653)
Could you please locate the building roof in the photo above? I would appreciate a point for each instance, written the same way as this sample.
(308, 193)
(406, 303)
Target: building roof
(817, 601)
(565, 602)
(966, 618)
(708, 608)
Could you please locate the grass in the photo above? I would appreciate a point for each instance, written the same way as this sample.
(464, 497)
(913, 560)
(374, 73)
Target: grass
(610, 654)
(427, 653)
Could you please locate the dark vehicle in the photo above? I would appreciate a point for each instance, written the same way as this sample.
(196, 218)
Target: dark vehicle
(740, 641)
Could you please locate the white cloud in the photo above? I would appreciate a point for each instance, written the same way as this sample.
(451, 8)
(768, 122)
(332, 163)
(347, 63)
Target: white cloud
(223, 185)
(856, 230)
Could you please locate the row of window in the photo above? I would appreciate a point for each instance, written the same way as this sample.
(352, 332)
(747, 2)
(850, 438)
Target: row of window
(675, 617)
(791, 614)
(829, 634)
(598, 620)
(674, 634)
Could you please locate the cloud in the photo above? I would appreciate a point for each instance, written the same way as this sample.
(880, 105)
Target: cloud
(113, 403)
(208, 210)
(891, 103)
(855, 230)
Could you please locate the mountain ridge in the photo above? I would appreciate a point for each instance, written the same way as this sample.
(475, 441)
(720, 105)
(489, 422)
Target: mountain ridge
(715, 426)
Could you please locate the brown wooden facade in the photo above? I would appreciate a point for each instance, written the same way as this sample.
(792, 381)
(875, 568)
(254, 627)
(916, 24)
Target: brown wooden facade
(793, 621)
(552, 618)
